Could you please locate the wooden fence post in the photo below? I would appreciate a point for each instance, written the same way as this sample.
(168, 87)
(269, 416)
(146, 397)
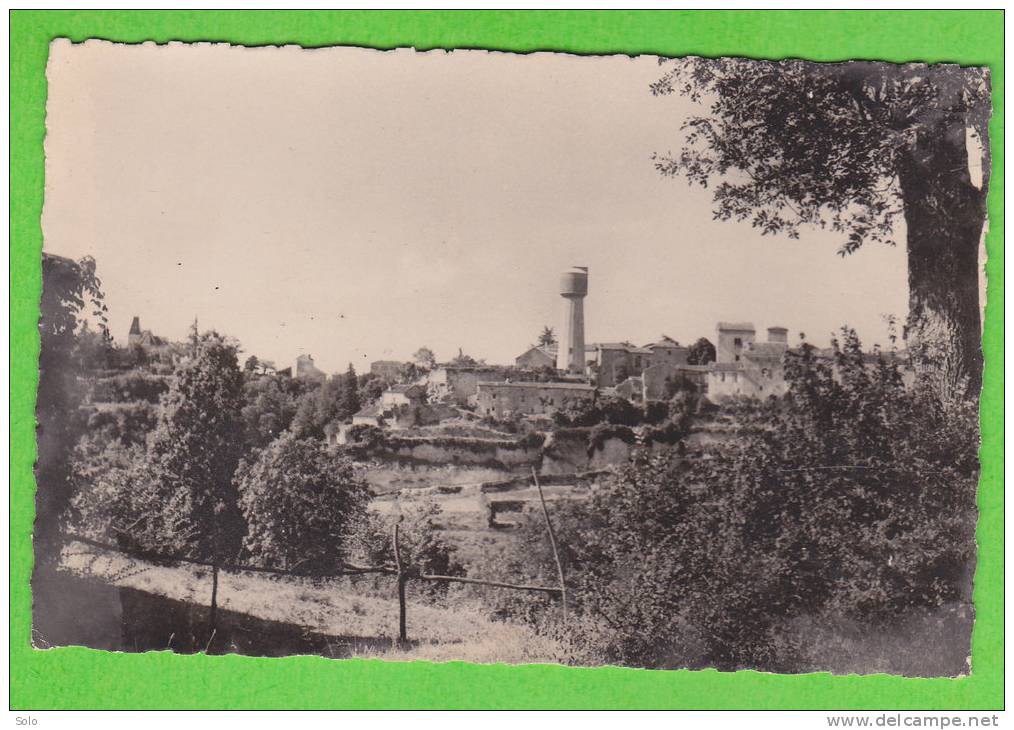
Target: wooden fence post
(552, 542)
(402, 580)
(213, 611)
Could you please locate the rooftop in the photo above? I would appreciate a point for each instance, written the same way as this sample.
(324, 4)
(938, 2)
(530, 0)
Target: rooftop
(540, 386)
(736, 326)
(666, 341)
(370, 411)
(404, 388)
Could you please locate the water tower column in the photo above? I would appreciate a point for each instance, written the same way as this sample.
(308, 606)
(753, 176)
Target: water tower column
(570, 356)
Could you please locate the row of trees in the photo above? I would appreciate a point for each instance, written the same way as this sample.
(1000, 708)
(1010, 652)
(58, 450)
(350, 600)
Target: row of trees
(196, 490)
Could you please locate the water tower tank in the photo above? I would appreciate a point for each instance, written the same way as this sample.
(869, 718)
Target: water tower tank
(574, 282)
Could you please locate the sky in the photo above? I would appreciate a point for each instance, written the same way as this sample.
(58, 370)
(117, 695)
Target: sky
(356, 204)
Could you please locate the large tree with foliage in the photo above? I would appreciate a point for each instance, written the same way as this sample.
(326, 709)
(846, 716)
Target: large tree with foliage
(176, 496)
(71, 295)
(300, 500)
(858, 148)
(424, 358)
(270, 405)
(547, 337)
(701, 352)
(851, 499)
(350, 401)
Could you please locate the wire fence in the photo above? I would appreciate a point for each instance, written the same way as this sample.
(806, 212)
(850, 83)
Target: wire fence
(402, 572)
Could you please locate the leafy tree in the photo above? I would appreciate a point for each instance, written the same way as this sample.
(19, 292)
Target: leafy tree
(94, 349)
(269, 408)
(320, 406)
(424, 358)
(350, 402)
(606, 409)
(421, 544)
(701, 352)
(679, 384)
(193, 456)
(176, 496)
(300, 499)
(548, 337)
(251, 365)
(71, 294)
(371, 387)
(853, 497)
(857, 148)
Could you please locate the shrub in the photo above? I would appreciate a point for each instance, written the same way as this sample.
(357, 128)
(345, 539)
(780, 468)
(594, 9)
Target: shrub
(129, 423)
(129, 387)
(299, 499)
(367, 437)
(601, 433)
(421, 546)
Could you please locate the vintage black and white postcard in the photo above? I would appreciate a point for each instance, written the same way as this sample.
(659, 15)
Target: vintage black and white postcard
(667, 363)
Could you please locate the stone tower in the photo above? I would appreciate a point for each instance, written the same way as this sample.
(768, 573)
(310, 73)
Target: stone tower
(733, 339)
(134, 336)
(570, 355)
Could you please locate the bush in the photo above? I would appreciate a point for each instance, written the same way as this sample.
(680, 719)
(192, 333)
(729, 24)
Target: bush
(601, 433)
(129, 423)
(366, 437)
(421, 547)
(607, 409)
(299, 499)
(129, 387)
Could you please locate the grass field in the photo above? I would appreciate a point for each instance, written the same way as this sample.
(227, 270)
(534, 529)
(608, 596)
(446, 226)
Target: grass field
(340, 613)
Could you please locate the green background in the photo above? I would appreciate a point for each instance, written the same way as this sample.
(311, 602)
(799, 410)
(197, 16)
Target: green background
(82, 678)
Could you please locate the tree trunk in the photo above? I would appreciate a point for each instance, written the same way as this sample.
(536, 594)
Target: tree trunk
(945, 214)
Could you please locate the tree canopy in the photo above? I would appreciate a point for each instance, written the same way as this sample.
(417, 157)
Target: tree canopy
(701, 352)
(176, 496)
(300, 500)
(850, 499)
(424, 358)
(547, 337)
(862, 149)
(71, 295)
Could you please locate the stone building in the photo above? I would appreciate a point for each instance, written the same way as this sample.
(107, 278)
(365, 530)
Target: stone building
(503, 400)
(616, 361)
(389, 370)
(137, 337)
(403, 395)
(745, 367)
(459, 383)
(306, 370)
(537, 357)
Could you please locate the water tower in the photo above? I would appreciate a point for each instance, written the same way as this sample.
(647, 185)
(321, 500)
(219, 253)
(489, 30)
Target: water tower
(573, 287)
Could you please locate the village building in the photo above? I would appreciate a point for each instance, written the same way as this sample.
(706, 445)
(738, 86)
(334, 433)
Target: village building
(389, 370)
(306, 370)
(145, 346)
(745, 367)
(459, 384)
(137, 337)
(537, 357)
(403, 395)
(504, 400)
